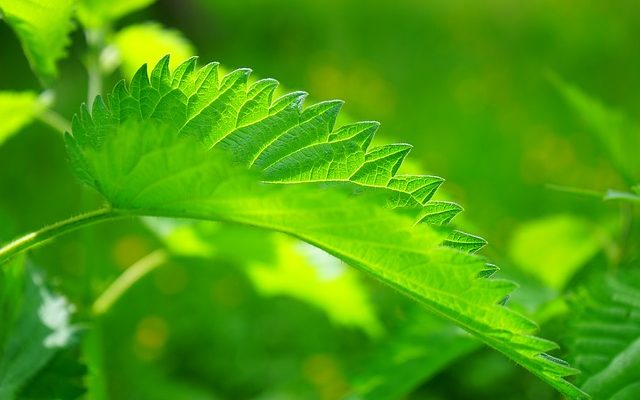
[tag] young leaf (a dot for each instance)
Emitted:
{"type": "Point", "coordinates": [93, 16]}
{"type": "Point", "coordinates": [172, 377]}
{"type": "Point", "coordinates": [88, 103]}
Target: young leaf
{"type": "Point", "coordinates": [148, 43]}
{"type": "Point", "coordinates": [43, 27]}
{"type": "Point", "coordinates": [606, 337]}
{"type": "Point", "coordinates": [17, 109]}
{"type": "Point", "coordinates": [188, 144]}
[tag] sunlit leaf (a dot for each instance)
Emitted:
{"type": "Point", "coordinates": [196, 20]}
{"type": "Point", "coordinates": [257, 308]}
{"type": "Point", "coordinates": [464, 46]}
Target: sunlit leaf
{"type": "Point", "coordinates": [277, 265]}
{"type": "Point", "coordinates": [188, 144]}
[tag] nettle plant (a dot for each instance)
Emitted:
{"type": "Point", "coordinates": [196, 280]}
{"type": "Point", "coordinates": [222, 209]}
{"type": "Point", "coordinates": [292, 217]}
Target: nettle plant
{"type": "Point", "coordinates": [184, 141]}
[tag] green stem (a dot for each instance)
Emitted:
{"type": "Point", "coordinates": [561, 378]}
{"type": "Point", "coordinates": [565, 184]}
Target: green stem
{"type": "Point", "coordinates": [33, 239]}
{"type": "Point", "coordinates": [55, 120]}
{"type": "Point", "coordinates": [576, 191]}
{"type": "Point", "coordinates": [95, 41]}
{"type": "Point", "coordinates": [128, 278]}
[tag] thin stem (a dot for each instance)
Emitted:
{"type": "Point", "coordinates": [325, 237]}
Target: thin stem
{"type": "Point", "coordinates": [576, 191]}
{"type": "Point", "coordinates": [33, 239]}
{"type": "Point", "coordinates": [95, 82]}
{"type": "Point", "coordinates": [95, 41]}
{"type": "Point", "coordinates": [55, 120]}
{"type": "Point", "coordinates": [128, 278]}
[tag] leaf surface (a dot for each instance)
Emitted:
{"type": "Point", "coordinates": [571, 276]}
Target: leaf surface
{"type": "Point", "coordinates": [189, 143]}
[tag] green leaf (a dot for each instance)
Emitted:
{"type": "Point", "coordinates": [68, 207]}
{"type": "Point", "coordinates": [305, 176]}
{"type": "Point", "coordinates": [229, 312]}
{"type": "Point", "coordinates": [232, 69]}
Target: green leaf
{"type": "Point", "coordinates": [147, 43]}
{"type": "Point", "coordinates": [17, 109]}
{"type": "Point", "coordinates": [439, 212]}
{"type": "Point", "coordinates": [101, 13]}
{"type": "Point", "coordinates": [35, 326]}
{"type": "Point", "coordinates": [554, 248]}
{"type": "Point", "coordinates": [62, 378]}
{"type": "Point", "coordinates": [277, 265]}
{"type": "Point", "coordinates": [619, 135]}
{"type": "Point", "coordinates": [43, 27]}
{"type": "Point", "coordinates": [464, 241]}
{"type": "Point", "coordinates": [606, 337]}
{"type": "Point", "coordinates": [188, 144]}
{"type": "Point", "coordinates": [422, 348]}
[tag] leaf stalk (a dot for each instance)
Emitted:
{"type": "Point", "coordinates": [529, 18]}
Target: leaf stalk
{"type": "Point", "coordinates": [36, 238]}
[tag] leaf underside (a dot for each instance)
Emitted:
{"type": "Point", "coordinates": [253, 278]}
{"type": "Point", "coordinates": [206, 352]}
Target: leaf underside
{"type": "Point", "coordinates": [190, 144]}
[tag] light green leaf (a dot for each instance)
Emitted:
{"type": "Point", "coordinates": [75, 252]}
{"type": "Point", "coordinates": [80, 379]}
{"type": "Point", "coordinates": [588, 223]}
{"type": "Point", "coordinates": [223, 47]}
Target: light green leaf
{"type": "Point", "coordinates": [35, 326]}
{"type": "Point", "coordinates": [147, 44]}
{"type": "Point", "coordinates": [464, 241]}
{"type": "Point", "coordinates": [188, 144]}
{"type": "Point", "coordinates": [439, 212]}
{"type": "Point", "coordinates": [277, 265]}
{"type": "Point", "coordinates": [554, 248]}
{"type": "Point", "coordinates": [605, 342]}
{"type": "Point", "coordinates": [17, 109]}
{"type": "Point", "coordinates": [101, 13]}
{"type": "Point", "coordinates": [618, 134]}
{"type": "Point", "coordinates": [43, 27]}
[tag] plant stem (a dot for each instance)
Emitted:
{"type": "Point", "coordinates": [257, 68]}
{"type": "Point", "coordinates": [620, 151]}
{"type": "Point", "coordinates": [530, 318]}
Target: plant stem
{"type": "Point", "coordinates": [128, 278]}
{"type": "Point", "coordinates": [55, 120]}
{"type": "Point", "coordinates": [95, 41]}
{"type": "Point", "coordinates": [33, 239]}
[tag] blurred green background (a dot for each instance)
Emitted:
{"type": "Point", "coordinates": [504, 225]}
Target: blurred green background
{"type": "Point", "coordinates": [467, 83]}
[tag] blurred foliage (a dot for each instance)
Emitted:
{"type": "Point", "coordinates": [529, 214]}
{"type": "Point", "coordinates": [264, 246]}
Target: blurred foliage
{"type": "Point", "coordinates": [16, 110]}
{"type": "Point", "coordinates": [146, 44]}
{"type": "Point", "coordinates": [467, 83]}
{"type": "Point", "coordinates": [43, 28]}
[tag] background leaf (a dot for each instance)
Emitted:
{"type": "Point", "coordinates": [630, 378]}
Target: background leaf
{"type": "Point", "coordinates": [36, 325]}
{"type": "Point", "coordinates": [43, 28]}
{"type": "Point", "coordinates": [17, 109]}
{"type": "Point", "coordinates": [606, 330]}
{"type": "Point", "coordinates": [101, 13]}
{"type": "Point", "coordinates": [618, 134]}
{"type": "Point", "coordinates": [147, 44]}
{"type": "Point", "coordinates": [554, 248]}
